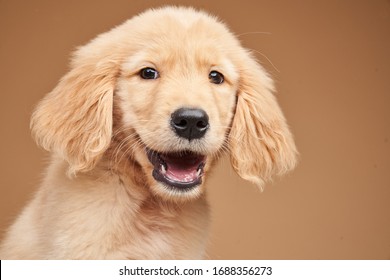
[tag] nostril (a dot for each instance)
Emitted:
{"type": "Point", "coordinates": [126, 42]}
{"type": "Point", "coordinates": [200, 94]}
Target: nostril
{"type": "Point", "coordinates": [180, 123]}
{"type": "Point", "coordinates": [202, 124]}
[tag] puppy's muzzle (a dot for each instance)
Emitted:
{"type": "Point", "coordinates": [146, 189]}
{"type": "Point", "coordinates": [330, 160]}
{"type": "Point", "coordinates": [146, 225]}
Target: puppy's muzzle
{"type": "Point", "coordinates": [190, 123]}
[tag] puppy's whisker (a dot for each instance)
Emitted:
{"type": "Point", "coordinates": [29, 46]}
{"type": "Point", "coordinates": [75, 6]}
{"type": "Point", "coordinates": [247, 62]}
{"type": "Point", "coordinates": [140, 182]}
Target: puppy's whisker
{"type": "Point", "coordinates": [119, 148]}
{"type": "Point", "coordinates": [129, 146]}
{"type": "Point", "coordinates": [268, 59]}
{"type": "Point", "coordinates": [254, 33]}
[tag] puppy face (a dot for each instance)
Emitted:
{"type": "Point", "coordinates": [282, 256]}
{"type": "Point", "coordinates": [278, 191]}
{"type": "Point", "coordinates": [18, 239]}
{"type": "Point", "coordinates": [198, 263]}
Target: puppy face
{"type": "Point", "coordinates": [178, 93]}
{"type": "Point", "coordinates": [168, 91]}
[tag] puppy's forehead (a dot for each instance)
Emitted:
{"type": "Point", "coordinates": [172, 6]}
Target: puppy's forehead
{"type": "Point", "coordinates": [173, 48]}
{"type": "Point", "coordinates": [188, 51]}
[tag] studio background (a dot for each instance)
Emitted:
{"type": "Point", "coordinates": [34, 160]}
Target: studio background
{"type": "Point", "coordinates": [331, 64]}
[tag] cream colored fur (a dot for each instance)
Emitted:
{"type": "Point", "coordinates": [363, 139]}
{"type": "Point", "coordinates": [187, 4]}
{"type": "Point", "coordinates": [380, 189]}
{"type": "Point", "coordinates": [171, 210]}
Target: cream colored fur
{"type": "Point", "coordinates": [98, 199]}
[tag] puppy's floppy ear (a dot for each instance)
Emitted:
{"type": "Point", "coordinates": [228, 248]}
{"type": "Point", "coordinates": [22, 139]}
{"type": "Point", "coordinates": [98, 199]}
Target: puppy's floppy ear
{"type": "Point", "coordinates": [75, 119]}
{"type": "Point", "coordinates": [260, 142]}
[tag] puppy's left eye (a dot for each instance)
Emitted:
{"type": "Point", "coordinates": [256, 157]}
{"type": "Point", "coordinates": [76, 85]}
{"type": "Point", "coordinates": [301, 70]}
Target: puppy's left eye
{"type": "Point", "coordinates": [216, 77]}
{"type": "Point", "coordinates": [149, 73]}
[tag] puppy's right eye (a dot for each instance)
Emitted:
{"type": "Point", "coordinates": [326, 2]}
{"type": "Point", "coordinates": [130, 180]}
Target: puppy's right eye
{"type": "Point", "coordinates": [216, 78]}
{"type": "Point", "coordinates": [149, 73]}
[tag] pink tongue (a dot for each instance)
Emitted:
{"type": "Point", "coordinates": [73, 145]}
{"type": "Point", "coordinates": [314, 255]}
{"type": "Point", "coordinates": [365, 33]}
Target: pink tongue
{"type": "Point", "coordinates": [180, 174]}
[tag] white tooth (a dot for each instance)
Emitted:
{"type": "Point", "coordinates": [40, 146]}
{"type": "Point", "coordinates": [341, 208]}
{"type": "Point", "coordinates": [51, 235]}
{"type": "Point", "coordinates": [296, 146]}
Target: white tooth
{"type": "Point", "coordinates": [163, 170]}
{"type": "Point", "coordinates": [198, 172]}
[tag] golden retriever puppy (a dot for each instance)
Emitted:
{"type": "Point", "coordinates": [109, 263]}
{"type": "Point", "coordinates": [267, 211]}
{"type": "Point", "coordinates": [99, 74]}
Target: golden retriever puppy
{"type": "Point", "coordinates": [134, 129]}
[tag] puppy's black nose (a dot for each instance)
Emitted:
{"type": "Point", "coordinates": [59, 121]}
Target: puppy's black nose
{"type": "Point", "coordinates": [190, 123]}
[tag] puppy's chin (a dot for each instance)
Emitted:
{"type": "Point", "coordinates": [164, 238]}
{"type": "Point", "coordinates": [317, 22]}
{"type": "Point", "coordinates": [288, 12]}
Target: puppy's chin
{"type": "Point", "coordinates": [176, 195]}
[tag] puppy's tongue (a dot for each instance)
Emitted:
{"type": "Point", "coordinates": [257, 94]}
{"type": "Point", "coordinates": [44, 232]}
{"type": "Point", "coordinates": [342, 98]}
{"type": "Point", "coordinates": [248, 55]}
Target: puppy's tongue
{"type": "Point", "coordinates": [184, 168]}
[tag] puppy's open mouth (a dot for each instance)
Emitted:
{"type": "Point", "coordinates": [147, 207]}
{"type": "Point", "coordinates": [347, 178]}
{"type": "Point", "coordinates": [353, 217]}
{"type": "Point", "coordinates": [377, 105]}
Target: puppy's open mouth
{"type": "Point", "coordinates": [180, 170]}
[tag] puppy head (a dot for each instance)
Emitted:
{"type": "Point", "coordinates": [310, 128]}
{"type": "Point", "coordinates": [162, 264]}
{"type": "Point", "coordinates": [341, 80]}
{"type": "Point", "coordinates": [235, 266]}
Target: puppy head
{"type": "Point", "coordinates": [186, 91]}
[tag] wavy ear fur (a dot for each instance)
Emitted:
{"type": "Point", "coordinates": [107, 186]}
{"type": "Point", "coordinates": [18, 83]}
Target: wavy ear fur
{"type": "Point", "coordinates": [261, 144]}
{"type": "Point", "coordinates": [75, 120]}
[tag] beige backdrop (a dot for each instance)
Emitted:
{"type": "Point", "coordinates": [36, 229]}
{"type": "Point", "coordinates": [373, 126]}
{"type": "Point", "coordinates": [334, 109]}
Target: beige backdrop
{"type": "Point", "coordinates": [331, 61]}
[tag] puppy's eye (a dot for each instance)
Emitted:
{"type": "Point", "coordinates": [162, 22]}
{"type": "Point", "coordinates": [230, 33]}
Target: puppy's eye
{"type": "Point", "coordinates": [149, 73]}
{"type": "Point", "coordinates": [216, 77]}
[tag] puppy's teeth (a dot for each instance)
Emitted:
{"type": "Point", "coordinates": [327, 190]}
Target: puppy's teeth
{"type": "Point", "coordinates": [199, 171]}
{"type": "Point", "coordinates": [163, 169]}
